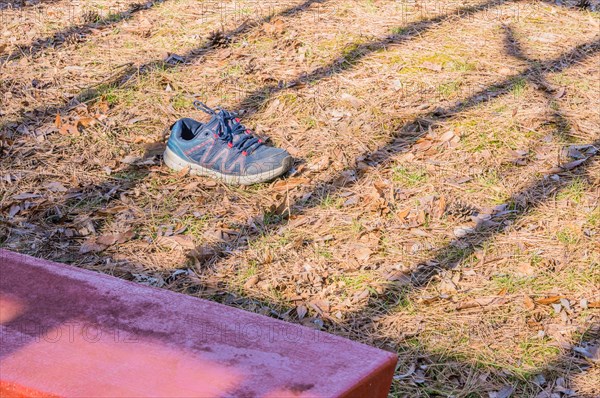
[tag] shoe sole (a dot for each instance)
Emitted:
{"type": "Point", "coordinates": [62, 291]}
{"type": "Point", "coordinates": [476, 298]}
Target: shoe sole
{"type": "Point", "coordinates": [176, 163]}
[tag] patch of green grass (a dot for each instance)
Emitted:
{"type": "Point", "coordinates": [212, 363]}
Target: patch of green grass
{"type": "Point", "coordinates": [511, 283]}
{"type": "Point", "coordinates": [233, 70]}
{"type": "Point", "coordinates": [323, 251]}
{"type": "Point", "coordinates": [534, 352]}
{"type": "Point", "coordinates": [309, 122]}
{"type": "Point", "coordinates": [181, 102]}
{"type": "Point", "coordinates": [356, 227]}
{"type": "Point", "coordinates": [352, 52]}
{"type": "Point", "coordinates": [398, 30]}
{"type": "Point", "coordinates": [447, 90]}
{"type": "Point", "coordinates": [249, 270]}
{"type": "Point", "coordinates": [355, 281]}
{"type": "Point", "coordinates": [410, 176]}
{"type": "Point", "coordinates": [288, 98]}
{"type": "Point", "coordinates": [459, 65]}
{"type": "Point", "coordinates": [480, 134]}
{"type": "Point", "coordinates": [455, 254]}
{"type": "Point", "coordinates": [593, 219]}
{"type": "Point", "coordinates": [518, 87]}
{"type": "Point", "coordinates": [568, 236]}
{"type": "Point", "coordinates": [436, 58]}
{"type": "Point", "coordinates": [330, 202]}
{"type": "Point", "coordinates": [575, 191]}
{"type": "Point", "coordinates": [195, 226]}
{"type": "Point", "coordinates": [405, 305]}
{"type": "Point", "coordinates": [270, 218]}
{"type": "Point", "coordinates": [489, 179]}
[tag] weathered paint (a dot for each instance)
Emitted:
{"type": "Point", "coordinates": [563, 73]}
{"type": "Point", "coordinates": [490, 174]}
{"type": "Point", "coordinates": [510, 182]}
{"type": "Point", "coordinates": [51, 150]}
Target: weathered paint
{"type": "Point", "coordinates": [70, 332]}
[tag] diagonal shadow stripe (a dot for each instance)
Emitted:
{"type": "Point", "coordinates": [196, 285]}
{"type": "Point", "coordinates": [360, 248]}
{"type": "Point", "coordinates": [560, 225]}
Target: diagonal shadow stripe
{"type": "Point", "coordinates": [80, 32]}
{"type": "Point", "coordinates": [413, 129]}
{"type": "Point", "coordinates": [122, 77]}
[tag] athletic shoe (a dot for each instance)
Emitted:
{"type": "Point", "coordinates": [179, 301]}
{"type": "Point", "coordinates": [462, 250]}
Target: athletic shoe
{"type": "Point", "coordinates": [223, 148]}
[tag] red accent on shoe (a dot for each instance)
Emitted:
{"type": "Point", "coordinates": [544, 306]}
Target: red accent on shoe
{"type": "Point", "coordinates": [244, 153]}
{"type": "Point", "coordinates": [237, 119]}
{"type": "Point", "coordinates": [248, 131]}
{"type": "Point", "coordinates": [216, 135]}
{"type": "Point", "coordinates": [260, 141]}
{"type": "Point", "coordinates": [230, 144]}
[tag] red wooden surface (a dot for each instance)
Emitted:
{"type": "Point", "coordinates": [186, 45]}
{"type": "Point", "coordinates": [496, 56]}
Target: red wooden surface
{"type": "Point", "coordinates": [70, 332]}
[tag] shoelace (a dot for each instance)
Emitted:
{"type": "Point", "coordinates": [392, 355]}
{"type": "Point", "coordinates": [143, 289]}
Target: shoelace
{"type": "Point", "coordinates": [246, 142]}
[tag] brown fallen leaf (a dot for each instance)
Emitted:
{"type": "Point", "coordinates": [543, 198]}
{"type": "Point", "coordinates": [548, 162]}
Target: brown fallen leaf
{"type": "Point", "coordinates": [180, 242]}
{"type": "Point", "coordinates": [355, 102]}
{"type": "Point", "coordinates": [86, 121]}
{"type": "Point", "coordinates": [58, 121]}
{"type": "Point", "coordinates": [528, 303]}
{"type": "Point", "coordinates": [290, 183]}
{"type": "Point", "coordinates": [403, 214]}
{"type": "Point", "coordinates": [68, 129]}
{"type": "Point", "coordinates": [549, 300]}
{"type": "Point", "coordinates": [362, 253]}
{"type": "Point", "coordinates": [276, 27]}
{"type": "Point", "coordinates": [55, 186]}
{"type": "Point", "coordinates": [447, 136]}
{"type": "Point", "coordinates": [422, 145]}
{"type": "Point", "coordinates": [478, 302]}
{"type": "Point", "coordinates": [91, 246]}
{"type": "Point", "coordinates": [107, 240]}
{"type": "Point", "coordinates": [111, 239]}
{"type": "Point", "coordinates": [182, 173]}
{"type": "Point", "coordinates": [594, 304]}
{"type": "Point", "coordinates": [253, 280]}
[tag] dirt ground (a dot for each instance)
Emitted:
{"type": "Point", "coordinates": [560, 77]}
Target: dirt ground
{"type": "Point", "coordinates": [445, 199]}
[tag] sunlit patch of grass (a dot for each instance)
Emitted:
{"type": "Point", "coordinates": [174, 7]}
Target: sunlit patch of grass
{"type": "Point", "coordinates": [593, 219]}
{"type": "Point", "coordinates": [511, 283]}
{"type": "Point", "coordinates": [356, 281]}
{"type": "Point", "coordinates": [233, 71]}
{"type": "Point", "coordinates": [356, 226]}
{"type": "Point", "coordinates": [410, 176]}
{"type": "Point", "coordinates": [309, 122]}
{"type": "Point", "coordinates": [447, 90]}
{"type": "Point", "coordinates": [536, 351]}
{"type": "Point", "coordinates": [568, 236]}
{"type": "Point", "coordinates": [489, 179]}
{"type": "Point", "coordinates": [330, 202]}
{"type": "Point", "coordinates": [480, 134]}
{"type": "Point", "coordinates": [195, 226]}
{"type": "Point", "coordinates": [288, 98]}
{"type": "Point", "coordinates": [181, 102]}
{"type": "Point", "coordinates": [323, 251]}
{"type": "Point", "coordinates": [459, 65]}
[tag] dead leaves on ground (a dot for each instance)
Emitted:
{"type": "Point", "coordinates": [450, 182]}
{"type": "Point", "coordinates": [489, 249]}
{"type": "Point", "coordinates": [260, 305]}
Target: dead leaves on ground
{"type": "Point", "coordinates": [101, 243]}
{"type": "Point", "coordinates": [82, 118]}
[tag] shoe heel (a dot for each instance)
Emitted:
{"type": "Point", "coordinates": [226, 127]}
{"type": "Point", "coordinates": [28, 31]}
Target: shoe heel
{"type": "Point", "coordinates": [173, 161]}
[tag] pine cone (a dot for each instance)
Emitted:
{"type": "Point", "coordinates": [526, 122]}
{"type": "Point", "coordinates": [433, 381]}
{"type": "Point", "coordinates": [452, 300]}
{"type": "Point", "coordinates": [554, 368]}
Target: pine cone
{"type": "Point", "coordinates": [460, 211]}
{"type": "Point", "coordinates": [218, 39]}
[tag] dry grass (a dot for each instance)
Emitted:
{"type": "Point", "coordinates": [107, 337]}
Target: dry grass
{"type": "Point", "coordinates": [425, 214]}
